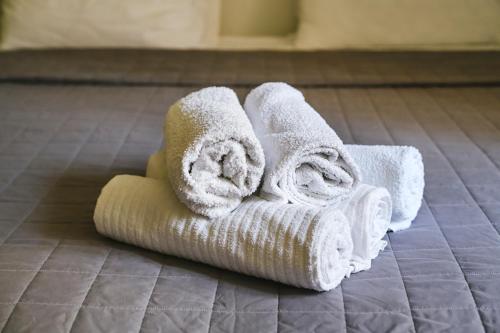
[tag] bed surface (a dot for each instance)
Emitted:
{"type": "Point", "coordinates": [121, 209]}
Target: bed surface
{"type": "Point", "coordinates": [70, 120]}
{"type": "Point", "coordinates": [199, 68]}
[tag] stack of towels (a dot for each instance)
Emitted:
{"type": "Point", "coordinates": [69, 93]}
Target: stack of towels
{"type": "Point", "coordinates": [267, 189]}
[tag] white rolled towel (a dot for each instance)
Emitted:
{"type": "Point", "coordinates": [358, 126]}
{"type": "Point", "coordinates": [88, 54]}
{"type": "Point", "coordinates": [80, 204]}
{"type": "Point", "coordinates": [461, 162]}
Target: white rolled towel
{"type": "Point", "coordinates": [368, 210]}
{"type": "Point", "coordinates": [302, 246]}
{"type": "Point", "coordinates": [214, 159]}
{"type": "Point", "coordinates": [399, 169]}
{"type": "Point", "coordinates": [306, 162]}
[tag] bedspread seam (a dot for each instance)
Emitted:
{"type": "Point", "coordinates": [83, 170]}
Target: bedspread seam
{"type": "Point", "coordinates": [186, 309]}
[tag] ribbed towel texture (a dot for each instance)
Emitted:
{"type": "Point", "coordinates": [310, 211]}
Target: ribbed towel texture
{"type": "Point", "coordinates": [367, 208]}
{"type": "Point", "coordinates": [297, 245]}
{"type": "Point", "coordinates": [213, 157]}
{"type": "Point", "coordinates": [401, 171]}
{"type": "Point", "coordinates": [306, 162]}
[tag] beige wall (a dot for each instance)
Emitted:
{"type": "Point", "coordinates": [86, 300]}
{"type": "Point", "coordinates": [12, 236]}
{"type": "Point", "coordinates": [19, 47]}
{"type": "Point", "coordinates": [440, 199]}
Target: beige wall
{"type": "Point", "coordinates": [258, 17]}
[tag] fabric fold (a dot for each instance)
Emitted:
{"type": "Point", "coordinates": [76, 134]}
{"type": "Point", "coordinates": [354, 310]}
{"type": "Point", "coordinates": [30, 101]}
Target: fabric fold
{"type": "Point", "coordinates": [303, 246]}
{"type": "Point", "coordinates": [368, 210]}
{"type": "Point", "coordinates": [306, 162]}
{"type": "Point", "coordinates": [401, 171]}
{"type": "Point", "coordinates": [213, 157]}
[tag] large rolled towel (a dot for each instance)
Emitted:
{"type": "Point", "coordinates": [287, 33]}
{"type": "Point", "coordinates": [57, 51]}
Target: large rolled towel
{"type": "Point", "coordinates": [306, 162]}
{"type": "Point", "coordinates": [213, 158]}
{"type": "Point", "coordinates": [399, 169]}
{"type": "Point", "coordinates": [367, 208]}
{"type": "Point", "coordinates": [302, 246]}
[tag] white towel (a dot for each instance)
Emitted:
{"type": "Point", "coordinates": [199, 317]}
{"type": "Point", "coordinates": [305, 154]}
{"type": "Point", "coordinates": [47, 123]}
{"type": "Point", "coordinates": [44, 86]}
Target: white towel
{"type": "Point", "coordinates": [294, 244]}
{"type": "Point", "coordinates": [399, 169]}
{"type": "Point", "coordinates": [213, 157]}
{"type": "Point", "coordinates": [306, 162]}
{"type": "Point", "coordinates": [368, 210]}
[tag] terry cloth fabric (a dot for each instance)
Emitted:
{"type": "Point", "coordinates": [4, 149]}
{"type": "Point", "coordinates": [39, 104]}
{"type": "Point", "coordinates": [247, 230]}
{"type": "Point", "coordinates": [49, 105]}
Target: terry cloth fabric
{"type": "Point", "coordinates": [213, 157]}
{"type": "Point", "coordinates": [306, 162]}
{"type": "Point", "coordinates": [399, 169]}
{"type": "Point", "coordinates": [302, 246]}
{"type": "Point", "coordinates": [368, 210]}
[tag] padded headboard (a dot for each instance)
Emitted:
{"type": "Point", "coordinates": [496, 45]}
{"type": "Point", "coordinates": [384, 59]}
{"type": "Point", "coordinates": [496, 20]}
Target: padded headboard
{"type": "Point", "coordinates": [258, 17]}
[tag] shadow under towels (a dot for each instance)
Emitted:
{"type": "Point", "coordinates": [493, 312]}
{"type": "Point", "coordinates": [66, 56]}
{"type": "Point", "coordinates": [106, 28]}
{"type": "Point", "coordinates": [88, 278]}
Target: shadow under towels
{"type": "Point", "coordinates": [306, 162]}
{"type": "Point", "coordinates": [213, 158]}
{"type": "Point", "coordinates": [293, 244]}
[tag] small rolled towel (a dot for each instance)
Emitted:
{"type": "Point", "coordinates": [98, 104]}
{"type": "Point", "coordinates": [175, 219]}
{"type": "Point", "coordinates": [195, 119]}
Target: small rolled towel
{"type": "Point", "coordinates": [368, 210]}
{"type": "Point", "coordinates": [213, 158]}
{"type": "Point", "coordinates": [306, 162]}
{"type": "Point", "coordinates": [401, 171]}
{"type": "Point", "coordinates": [302, 246]}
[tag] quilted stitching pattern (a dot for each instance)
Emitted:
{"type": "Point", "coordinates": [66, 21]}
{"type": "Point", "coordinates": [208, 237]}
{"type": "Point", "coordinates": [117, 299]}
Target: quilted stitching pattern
{"type": "Point", "coordinates": [60, 144]}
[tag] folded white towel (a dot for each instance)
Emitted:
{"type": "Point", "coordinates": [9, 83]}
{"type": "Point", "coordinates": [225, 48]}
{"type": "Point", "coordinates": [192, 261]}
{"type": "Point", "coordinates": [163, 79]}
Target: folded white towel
{"type": "Point", "coordinates": [303, 246]}
{"type": "Point", "coordinates": [213, 157]}
{"type": "Point", "coordinates": [368, 210]}
{"type": "Point", "coordinates": [399, 169]}
{"type": "Point", "coordinates": [306, 161]}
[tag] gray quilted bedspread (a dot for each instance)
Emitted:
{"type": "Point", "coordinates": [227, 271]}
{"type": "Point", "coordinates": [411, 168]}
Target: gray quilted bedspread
{"type": "Point", "coordinates": [67, 125]}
